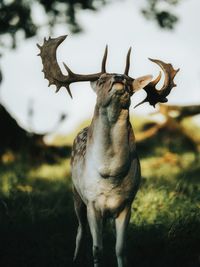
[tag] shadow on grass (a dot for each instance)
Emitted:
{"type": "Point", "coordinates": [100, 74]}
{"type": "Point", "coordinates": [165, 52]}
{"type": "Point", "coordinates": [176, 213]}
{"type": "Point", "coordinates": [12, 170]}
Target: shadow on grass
{"type": "Point", "coordinates": [38, 228]}
{"type": "Point", "coordinates": [156, 245]}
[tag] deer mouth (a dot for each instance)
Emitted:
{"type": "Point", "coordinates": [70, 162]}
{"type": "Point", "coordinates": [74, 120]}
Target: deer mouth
{"type": "Point", "coordinates": [121, 89]}
{"type": "Point", "coordinates": [118, 86]}
{"type": "Point", "coordinates": [121, 92]}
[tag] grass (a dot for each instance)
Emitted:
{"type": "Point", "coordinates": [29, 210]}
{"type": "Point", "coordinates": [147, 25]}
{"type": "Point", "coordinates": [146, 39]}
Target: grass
{"type": "Point", "coordinates": [38, 224]}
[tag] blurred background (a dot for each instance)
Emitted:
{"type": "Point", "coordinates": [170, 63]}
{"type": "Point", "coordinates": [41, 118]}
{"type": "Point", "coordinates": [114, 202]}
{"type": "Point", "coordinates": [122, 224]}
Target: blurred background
{"type": "Point", "coordinates": [37, 128]}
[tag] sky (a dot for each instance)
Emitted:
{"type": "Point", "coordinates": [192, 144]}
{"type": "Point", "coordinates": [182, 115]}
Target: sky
{"type": "Point", "coordinates": [120, 25]}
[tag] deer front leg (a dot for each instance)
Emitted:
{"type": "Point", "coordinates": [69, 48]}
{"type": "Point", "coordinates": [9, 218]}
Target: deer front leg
{"type": "Point", "coordinates": [121, 223]}
{"type": "Point", "coordinates": [95, 224]}
{"type": "Point", "coordinates": [80, 210]}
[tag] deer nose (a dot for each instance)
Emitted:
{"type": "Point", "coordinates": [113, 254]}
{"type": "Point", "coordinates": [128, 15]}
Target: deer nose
{"type": "Point", "coordinates": [118, 78]}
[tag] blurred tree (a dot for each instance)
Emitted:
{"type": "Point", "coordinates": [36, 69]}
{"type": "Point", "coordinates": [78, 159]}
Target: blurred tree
{"type": "Point", "coordinates": [18, 16]}
{"type": "Point", "coordinates": [161, 12]}
{"type": "Point", "coordinates": [18, 19]}
{"type": "Point", "coordinates": [173, 125]}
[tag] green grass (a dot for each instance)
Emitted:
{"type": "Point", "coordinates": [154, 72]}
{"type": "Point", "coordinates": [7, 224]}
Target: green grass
{"type": "Point", "coordinates": [38, 224]}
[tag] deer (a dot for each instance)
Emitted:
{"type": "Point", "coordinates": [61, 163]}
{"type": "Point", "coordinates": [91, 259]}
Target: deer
{"type": "Point", "coordinates": [105, 166]}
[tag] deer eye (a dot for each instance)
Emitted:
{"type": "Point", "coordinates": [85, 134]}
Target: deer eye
{"type": "Point", "coordinates": [101, 80]}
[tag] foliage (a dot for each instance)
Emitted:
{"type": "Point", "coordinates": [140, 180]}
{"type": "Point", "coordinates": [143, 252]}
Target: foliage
{"type": "Point", "coordinates": [19, 16]}
{"type": "Point", "coordinates": [160, 11]}
{"type": "Point", "coordinates": [38, 224]}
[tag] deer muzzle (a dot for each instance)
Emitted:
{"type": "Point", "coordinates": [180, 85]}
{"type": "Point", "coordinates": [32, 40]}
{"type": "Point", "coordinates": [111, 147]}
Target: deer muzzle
{"type": "Point", "coordinates": [118, 83]}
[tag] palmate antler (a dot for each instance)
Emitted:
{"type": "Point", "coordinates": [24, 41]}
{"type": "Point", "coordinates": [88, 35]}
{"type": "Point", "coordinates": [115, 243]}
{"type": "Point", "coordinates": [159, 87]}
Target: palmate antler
{"type": "Point", "coordinates": [52, 70]}
{"type": "Point", "coordinates": [55, 77]}
{"type": "Point", "coordinates": [155, 96]}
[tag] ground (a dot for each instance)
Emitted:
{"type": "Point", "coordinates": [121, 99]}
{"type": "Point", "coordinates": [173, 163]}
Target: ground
{"type": "Point", "coordinates": [38, 223]}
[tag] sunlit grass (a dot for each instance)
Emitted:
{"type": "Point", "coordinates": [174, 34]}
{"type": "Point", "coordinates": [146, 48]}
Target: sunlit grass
{"type": "Point", "coordinates": [53, 172]}
{"type": "Point", "coordinates": [192, 128]}
{"type": "Point", "coordinates": [152, 206]}
{"type": "Point", "coordinates": [166, 167]}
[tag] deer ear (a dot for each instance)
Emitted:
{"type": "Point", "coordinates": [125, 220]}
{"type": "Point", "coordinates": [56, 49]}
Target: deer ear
{"type": "Point", "coordinates": [94, 86]}
{"type": "Point", "coordinates": [141, 82]}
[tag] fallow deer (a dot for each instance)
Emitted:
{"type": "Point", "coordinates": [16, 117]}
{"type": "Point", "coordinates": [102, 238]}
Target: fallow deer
{"type": "Point", "coordinates": [104, 163]}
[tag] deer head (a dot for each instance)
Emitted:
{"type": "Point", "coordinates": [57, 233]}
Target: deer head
{"type": "Point", "coordinates": [107, 85]}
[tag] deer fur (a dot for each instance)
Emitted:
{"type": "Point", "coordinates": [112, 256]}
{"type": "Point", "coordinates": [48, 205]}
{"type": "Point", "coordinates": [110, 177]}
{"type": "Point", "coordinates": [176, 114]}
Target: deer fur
{"type": "Point", "coordinates": [104, 163]}
{"type": "Point", "coordinates": [105, 166]}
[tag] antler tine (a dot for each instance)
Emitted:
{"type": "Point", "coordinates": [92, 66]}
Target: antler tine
{"type": "Point", "coordinates": [103, 64]}
{"type": "Point", "coordinates": [52, 71]}
{"type": "Point", "coordinates": [155, 96]}
{"type": "Point", "coordinates": [156, 81]}
{"type": "Point", "coordinates": [127, 62]}
{"type": "Point", "coordinates": [169, 73]}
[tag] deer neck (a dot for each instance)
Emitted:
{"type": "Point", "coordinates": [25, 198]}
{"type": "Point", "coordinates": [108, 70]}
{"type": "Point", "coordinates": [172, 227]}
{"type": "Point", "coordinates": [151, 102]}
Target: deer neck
{"type": "Point", "coordinates": [109, 140]}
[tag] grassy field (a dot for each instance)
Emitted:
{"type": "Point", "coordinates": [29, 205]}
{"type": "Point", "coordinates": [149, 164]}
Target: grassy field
{"type": "Point", "coordinates": [38, 224]}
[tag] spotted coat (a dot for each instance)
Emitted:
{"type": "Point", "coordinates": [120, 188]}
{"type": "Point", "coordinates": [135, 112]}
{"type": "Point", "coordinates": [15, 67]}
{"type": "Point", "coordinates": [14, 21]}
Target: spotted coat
{"type": "Point", "coordinates": [79, 145]}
